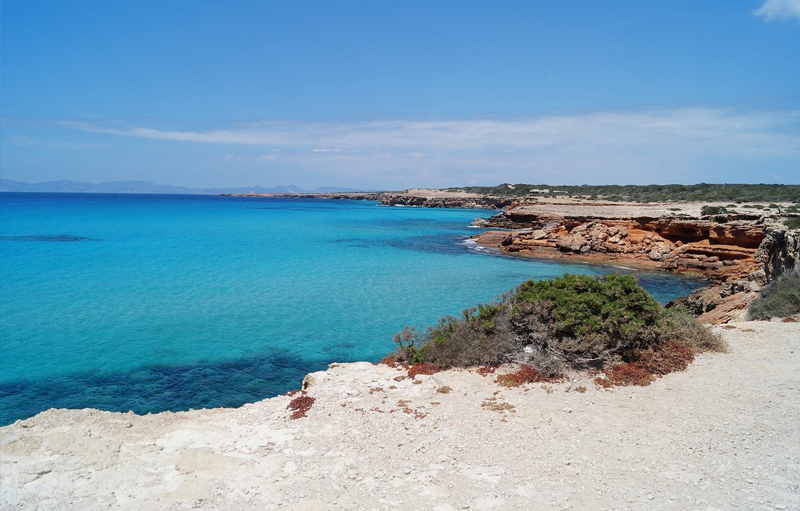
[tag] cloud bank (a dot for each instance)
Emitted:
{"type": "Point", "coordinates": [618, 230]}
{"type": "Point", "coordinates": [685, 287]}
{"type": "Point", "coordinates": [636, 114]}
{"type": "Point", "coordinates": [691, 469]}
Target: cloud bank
{"type": "Point", "coordinates": [610, 146]}
{"type": "Point", "coordinates": [779, 9]}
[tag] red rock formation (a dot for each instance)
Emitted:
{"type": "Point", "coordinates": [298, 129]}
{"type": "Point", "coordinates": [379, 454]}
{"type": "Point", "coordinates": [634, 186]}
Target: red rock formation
{"type": "Point", "coordinates": [721, 252]}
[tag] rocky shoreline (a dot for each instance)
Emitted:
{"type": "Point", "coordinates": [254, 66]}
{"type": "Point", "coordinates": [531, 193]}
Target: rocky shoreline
{"type": "Point", "coordinates": [367, 436]}
{"type": "Point", "coordinates": [408, 198]}
{"type": "Point", "coordinates": [739, 254]}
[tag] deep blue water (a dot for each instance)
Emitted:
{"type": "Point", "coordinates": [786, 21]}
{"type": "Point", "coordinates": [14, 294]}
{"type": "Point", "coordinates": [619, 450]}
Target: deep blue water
{"type": "Point", "coordinates": [156, 302]}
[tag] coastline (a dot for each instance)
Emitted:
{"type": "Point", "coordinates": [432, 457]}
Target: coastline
{"type": "Point", "coordinates": [739, 253]}
{"type": "Point", "coordinates": [375, 439]}
{"type": "Point", "coordinates": [373, 436]}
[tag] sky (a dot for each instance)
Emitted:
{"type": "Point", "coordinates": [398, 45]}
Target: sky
{"type": "Point", "coordinates": [391, 95]}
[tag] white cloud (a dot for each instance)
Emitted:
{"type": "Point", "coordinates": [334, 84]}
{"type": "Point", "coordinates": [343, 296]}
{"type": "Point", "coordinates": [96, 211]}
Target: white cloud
{"type": "Point", "coordinates": [779, 9]}
{"type": "Point", "coordinates": [258, 157]}
{"type": "Point", "coordinates": [689, 125]}
{"type": "Point", "coordinates": [655, 145]}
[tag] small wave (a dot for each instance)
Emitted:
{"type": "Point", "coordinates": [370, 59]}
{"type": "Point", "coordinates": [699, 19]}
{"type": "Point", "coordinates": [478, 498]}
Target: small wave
{"type": "Point", "coordinates": [473, 245]}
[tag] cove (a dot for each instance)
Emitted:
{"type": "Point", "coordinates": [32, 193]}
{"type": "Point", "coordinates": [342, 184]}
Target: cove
{"type": "Point", "coordinates": [169, 302]}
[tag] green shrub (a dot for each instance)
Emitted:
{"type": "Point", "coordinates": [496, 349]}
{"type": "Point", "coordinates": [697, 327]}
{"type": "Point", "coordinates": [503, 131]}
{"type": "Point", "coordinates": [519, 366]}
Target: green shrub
{"type": "Point", "coordinates": [588, 316]}
{"type": "Point", "coordinates": [679, 326]}
{"type": "Point", "coordinates": [713, 210]}
{"type": "Point", "coordinates": [793, 223]}
{"type": "Point", "coordinates": [573, 321]}
{"type": "Point", "coordinates": [780, 299]}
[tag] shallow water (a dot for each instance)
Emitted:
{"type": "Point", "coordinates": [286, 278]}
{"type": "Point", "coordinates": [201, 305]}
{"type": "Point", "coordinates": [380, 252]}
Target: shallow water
{"type": "Point", "coordinates": [157, 302]}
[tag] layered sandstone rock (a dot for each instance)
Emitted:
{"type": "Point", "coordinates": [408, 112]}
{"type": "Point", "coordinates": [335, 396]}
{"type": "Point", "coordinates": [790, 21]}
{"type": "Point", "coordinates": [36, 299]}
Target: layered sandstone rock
{"type": "Point", "coordinates": [722, 252]}
{"type": "Point", "coordinates": [779, 253]}
{"type": "Point", "coordinates": [739, 254]}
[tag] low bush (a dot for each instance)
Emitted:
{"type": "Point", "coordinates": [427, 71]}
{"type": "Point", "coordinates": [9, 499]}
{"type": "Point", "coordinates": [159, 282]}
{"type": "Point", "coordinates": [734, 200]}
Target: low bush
{"type": "Point", "coordinates": [571, 322]}
{"type": "Point", "coordinates": [793, 223]}
{"type": "Point", "coordinates": [713, 210]}
{"type": "Point", "coordinates": [780, 299]}
{"type": "Point", "coordinates": [679, 326]}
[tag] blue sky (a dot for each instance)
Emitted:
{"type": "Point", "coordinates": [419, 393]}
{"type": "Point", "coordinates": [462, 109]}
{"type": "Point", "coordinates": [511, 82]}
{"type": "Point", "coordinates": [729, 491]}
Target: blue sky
{"type": "Point", "coordinates": [383, 94]}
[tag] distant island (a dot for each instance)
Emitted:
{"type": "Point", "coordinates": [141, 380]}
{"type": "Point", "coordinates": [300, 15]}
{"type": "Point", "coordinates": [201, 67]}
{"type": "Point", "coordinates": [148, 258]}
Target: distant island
{"type": "Point", "coordinates": [8, 185]}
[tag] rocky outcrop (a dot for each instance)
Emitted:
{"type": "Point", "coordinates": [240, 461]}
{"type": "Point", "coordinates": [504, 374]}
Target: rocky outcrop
{"type": "Point", "coordinates": [720, 303]}
{"type": "Point", "coordinates": [739, 255]}
{"type": "Point", "coordinates": [445, 202]}
{"type": "Point", "coordinates": [395, 199]}
{"type": "Point", "coordinates": [721, 252]}
{"type": "Point", "coordinates": [372, 196]}
{"type": "Point", "coordinates": [778, 253]}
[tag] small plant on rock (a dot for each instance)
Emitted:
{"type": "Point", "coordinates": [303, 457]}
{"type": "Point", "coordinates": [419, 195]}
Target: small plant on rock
{"type": "Point", "coordinates": [300, 405]}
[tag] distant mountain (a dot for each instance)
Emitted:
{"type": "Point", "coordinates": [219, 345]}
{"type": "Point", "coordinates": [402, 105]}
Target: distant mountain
{"type": "Point", "coordinates": [8, 185]}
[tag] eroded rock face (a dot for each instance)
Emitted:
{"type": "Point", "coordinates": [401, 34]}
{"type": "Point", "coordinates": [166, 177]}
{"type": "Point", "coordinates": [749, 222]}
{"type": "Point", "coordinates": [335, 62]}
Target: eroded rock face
{"type": "Point", "coordinates": [699, 247]}
{"type": "Point", "coordinates": [778, 253]}
{"type": "Point", "coordinates": [720, 303]}
{"type": "Point", "coordinates": [739, 255]}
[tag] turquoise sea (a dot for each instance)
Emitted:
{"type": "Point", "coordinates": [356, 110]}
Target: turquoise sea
{"type": "Point", "coordinates": [158, 302]}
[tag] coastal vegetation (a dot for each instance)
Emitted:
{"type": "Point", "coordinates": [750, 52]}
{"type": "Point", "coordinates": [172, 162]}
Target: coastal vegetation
{"type": "Point", "coordinates": [793, 223]}
{"type": "Point", "coordinates": [568, 323]}
{"type": "Point", "coordinates": [713, 210]}
{"type": "Point", "coordinates": [702, 192]}
{"type": "Point", "coordinates": [780, 299]}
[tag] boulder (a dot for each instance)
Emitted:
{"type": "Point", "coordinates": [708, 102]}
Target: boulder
{"type": "Point", "coordinates": [571, 242]}
{"type": "Point", "coordinates": [778, 253]}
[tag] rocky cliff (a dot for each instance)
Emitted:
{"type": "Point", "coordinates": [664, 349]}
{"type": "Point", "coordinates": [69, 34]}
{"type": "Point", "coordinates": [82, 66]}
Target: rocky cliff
{"type": "Point", "coordinates": [778, 253]}
{"type": "Point", "coordinates": [722, 252]}
{"type": "Point", "coordinates": [738, 253]}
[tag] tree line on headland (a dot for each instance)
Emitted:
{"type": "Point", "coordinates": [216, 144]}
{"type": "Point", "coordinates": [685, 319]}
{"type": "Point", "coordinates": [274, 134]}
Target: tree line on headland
{"type": "Point", "coordinates": [649, 193]}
